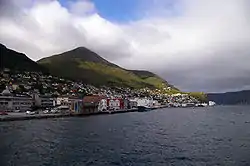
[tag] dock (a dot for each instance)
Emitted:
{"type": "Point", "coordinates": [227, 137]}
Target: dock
{"type": "Point", "coordinates": [24, 116]}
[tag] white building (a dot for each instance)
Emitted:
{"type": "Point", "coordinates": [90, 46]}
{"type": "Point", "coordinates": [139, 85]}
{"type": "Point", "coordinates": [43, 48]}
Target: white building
{"type": "Point", "coordinates": [114, 104]}
{"type": "Point", "coordinates": [144, 102]}
{"type": "Point", "coordinates": [62, 101]}
{"type": "Point", "coordinates": [8, 102]}
{"type": "Point", "coordinates": [102, 106]}
{"type": "Point", "coordinates": [156, 103]}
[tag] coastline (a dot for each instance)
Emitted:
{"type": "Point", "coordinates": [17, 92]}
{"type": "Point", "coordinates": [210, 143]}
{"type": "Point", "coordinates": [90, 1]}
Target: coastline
{"type": "Point", "coordinates": [24, 116]}
{"type": "Point", "coordinates": [21, 117]}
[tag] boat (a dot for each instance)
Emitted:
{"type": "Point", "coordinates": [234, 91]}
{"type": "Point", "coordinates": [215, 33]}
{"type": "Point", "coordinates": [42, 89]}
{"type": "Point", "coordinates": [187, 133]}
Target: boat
{"type": "Point", "coordinates": [199, 105]}
{"type": "Point", "coordinates": [143, 109]}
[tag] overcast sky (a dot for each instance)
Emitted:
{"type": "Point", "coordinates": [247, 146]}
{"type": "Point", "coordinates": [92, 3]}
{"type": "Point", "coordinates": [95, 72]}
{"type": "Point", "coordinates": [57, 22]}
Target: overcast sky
{"type": "Point", "coordinates": [197, 45]}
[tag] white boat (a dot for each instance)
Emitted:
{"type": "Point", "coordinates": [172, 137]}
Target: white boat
{"type": "Point", "coordinates": [30, 112]}
{"type": "Point", "coordinates": [46, 111]}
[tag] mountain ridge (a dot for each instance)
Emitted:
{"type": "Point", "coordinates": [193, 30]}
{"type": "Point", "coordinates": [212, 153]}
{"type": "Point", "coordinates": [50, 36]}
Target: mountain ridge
{"type": "Point", "coordinates": [17, 61]}
{"type": "Point", "coordinates": [231, 98]}
{"type": "Point", "coordinates": [84, 64]}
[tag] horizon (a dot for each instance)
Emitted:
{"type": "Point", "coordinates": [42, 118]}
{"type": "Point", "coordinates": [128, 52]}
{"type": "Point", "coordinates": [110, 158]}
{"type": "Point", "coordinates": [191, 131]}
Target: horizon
{"type": "Point", "coordinates": [196, 46]}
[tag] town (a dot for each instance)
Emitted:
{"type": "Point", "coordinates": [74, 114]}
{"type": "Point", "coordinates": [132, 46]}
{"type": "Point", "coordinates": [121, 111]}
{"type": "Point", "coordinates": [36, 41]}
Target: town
{"type": "Point", "coordinates": [35, 92]}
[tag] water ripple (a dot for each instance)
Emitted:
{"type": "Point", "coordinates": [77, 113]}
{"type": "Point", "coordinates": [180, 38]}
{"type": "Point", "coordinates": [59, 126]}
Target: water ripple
{"type": "Point", "coordinates": [216, 136]}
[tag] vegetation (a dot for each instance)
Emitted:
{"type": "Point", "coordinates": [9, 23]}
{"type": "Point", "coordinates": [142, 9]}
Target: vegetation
{"type": "Point", "coordinates": [202, 97]}
{"type": "Point", "coordinates": [85, 65]}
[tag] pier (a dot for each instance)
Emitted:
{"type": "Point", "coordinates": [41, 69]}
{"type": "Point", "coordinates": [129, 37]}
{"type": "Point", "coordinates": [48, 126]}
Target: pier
{"type": "Point", "coordinates": [24, 116]}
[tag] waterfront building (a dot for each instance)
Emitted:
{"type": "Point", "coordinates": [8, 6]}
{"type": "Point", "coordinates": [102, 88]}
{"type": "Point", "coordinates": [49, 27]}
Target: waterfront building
{"type": "Point", "coordinates": [10, 102]}
{"type": "Point", "coordinates": [92, 103]}
{"type": "Point", "coordinates": [76, 105]}
{"type": "Point", "coordinates": [103, 105]}
{"type": "Point", "coordinates": [126, 104]}
{"type": "Point", "coordinates": [132, 104]}
{"type": "Point", "coordinates": [61, 100]}
{"type": "Point", "coordinates": [115, 104]}
{"type": "Point", "coordinates": [156, 103]}
{"type": "Point", "coordinates": [44, 101]}
{"type": "Point", "coordinates": [144, 102]}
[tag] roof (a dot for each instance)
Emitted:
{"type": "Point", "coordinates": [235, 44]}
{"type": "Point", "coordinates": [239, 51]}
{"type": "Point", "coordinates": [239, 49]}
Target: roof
{"type": "Point", "coordinates": [94, 99]}
{"type": "Point", "coordinates": [6, 92]}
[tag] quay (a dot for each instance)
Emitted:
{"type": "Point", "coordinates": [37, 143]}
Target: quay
{"type": "Point", "coordinates": [24, 116]}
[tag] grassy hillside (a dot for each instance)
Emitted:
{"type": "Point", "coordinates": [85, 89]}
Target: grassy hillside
{"type": "Point", "coordinates": [199, 95]}
{"type": "Point", "coordinates": [153, 79]}
{"type": "Point", "coordinates": [83, 64]}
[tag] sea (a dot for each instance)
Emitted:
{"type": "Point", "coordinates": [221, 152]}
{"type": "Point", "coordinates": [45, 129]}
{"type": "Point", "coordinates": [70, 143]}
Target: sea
{"type": "Point", "coordinates": [207, 136]}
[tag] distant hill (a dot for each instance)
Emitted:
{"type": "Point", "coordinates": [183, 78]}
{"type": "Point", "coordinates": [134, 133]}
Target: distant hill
{"type": "Point", "coordinates": [231, 98]}
{"type": "Point", "coordinates": [85, 65]}
{"type": "Point", "coordinates": [17, 61]}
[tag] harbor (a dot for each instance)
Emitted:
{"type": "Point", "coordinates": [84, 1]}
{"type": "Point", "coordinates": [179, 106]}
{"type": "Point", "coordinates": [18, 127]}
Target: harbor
{"type": "Point", "coordinates": [24, 116]}
{"type": "Point", "coordinates": [20, 116]}
{"type": "Point", "coordinates": [57, 98]}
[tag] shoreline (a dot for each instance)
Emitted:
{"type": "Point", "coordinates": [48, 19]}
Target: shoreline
{"type": "Point", "coordinates": [23, 116]}
{"type": "Point", "coordinates": [7, 118]}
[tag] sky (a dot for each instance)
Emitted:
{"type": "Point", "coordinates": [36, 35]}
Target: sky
{"type": "Point", "coordinates": [195, 45]}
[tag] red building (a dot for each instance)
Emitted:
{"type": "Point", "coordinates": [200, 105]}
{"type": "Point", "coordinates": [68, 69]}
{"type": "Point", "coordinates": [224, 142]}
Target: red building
{"type": "Point", "coordinates": [91, 103]}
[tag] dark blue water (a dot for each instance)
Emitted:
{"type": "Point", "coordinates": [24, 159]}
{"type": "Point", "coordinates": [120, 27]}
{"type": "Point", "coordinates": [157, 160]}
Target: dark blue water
{"type": "Point", "coordinates": [200, 136]}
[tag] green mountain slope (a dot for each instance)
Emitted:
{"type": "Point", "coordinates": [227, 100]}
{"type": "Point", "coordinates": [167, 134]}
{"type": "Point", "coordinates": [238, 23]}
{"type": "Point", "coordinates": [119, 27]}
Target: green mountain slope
{"type": "Point", "coordinates": [83, 64]}
{"type": "Point", "coordinates": [17, 61]}
{"type": "Point", "coordinates": [152, 79]}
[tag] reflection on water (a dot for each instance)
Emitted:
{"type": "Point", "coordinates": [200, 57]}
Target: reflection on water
{"type": "Point", "coordinates": [200, 136]}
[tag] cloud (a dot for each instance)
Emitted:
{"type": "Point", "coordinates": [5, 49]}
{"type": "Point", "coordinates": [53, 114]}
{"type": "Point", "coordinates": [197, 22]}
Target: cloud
{"type": "Point", "coordinates": [81, 7]}
{"type": "Point", "coordinates": [195, 45]}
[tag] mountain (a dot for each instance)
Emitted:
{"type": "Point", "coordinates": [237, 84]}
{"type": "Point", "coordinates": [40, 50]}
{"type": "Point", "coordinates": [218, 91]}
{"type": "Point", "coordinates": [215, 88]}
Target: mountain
{"type": "Point", "coordinates": [230, 98]}
{"type": "Point", "coordinates": [87, 66]}
{"type": "Point", "coordinates": [17, 61]}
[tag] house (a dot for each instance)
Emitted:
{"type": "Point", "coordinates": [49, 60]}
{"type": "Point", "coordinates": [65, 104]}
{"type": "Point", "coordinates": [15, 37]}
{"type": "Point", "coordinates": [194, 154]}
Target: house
{"type": "Point", "coordinates": [115, 104]}
{"type": "Point", "coordinates": [132, 104]}
{"type": "Point", "coordinates": [76, 105]}
{"type": "Point", "coordinates": [126, 104]}
{"type": "Point", "coordinates": [92, 104]}
{"type": "Point", "coordinates": [156, 103]}
{"type": "Point", "coordinates": [103, 105]}
{"type": "Point", "coordinates": [144, 102]}
{"type": "Point", "coordinates": [12, 103]}
{"type": "Point", "coordinates": [44, 101]}
{"type": "Point", "coordinates": [62, 101]}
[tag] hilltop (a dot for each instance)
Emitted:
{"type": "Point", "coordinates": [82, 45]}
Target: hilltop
{"type": "Point", "coordinates": [85, 65]}
{"type": "Point", "coordinates": [17, 61]}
